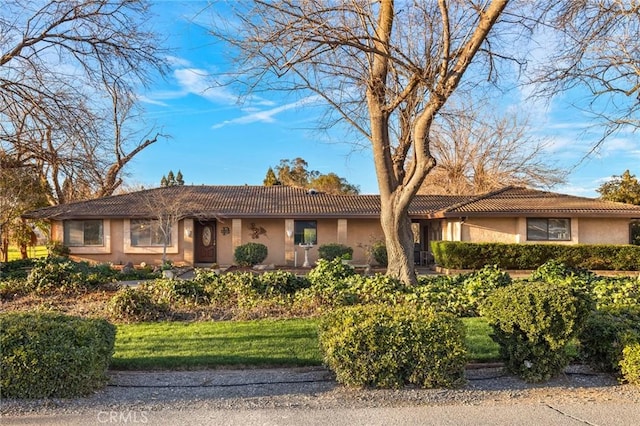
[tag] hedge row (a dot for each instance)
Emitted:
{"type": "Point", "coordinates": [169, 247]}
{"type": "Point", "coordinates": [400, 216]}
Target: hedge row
{"type": "Point", "coordinates": [52, 355]}
{"type": "Point", "coordinates": [463, 255]}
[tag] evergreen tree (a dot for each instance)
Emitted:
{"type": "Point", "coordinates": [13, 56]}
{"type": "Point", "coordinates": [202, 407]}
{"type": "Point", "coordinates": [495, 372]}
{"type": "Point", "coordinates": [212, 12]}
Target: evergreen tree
{"type": "Point", "coordinates": [623, 189]}
{"type": "Point", "coordinates": [172, 180]}
{"type": "Point", "coordinates": [270, 179]}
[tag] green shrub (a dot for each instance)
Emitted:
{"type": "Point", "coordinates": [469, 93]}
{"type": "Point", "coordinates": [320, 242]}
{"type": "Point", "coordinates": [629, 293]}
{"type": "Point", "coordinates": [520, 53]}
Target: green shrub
{"type": "Point", "coordinates": [58, 249]}
{"type": "Point", "coordinates": [379, 253]}
{"type": "Point", "coordinates": [51, 355]}
{"type": "Point", "coordinates": [464, 255]}
{"type": "Point", "coordinates": [18, 268]}
{"type": "Point", "coordinates": [444, 293]}
{"type": "Point", "coordinates": [282, 282]}
{"type": "Point", "coordinates": [132, 305]}
{"type": "Point", "coordinates": [616, 292]}
{"type": "Point", "coordinates": [56, 274]}
{"type": "Point", "coordinates": [11, 287]}
{"type": "Point", "coordinates": [329, 271]}
{"type": "Point", "coordinates": [630, 363]}
{"type": "Point", "coordinates": [383, 346]}
{"type": "Point", "coordinates": [460, 294]}
{"type": "Point", "coordinates": [167, 292]}
{"type": "Point", "coordinates": [605, 334]}
{"type": "Point", "coordinates": [334, 250]}
{"type": "Point", "coordinates": [250, 254]}
{"type": "Point", "coordinates": [480, 284]}
{"type": "Point", "coordinates": [533, 322]}
{"type": "Point", "coordinates": [376, 289]}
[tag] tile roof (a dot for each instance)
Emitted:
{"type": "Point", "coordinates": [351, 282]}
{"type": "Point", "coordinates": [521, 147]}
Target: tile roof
{"type": "Point", "coordinates": [283, 201]}
{"type": "Point", "coordinates": [514, 201]}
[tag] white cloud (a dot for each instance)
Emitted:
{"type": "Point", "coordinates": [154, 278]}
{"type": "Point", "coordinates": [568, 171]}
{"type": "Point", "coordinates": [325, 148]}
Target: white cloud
{"type": "Point", "coordinates": [180, 62]}
{"type": "Point", "coordinates": [266, 116]}
{"type": "Point", "coordinates": [147, 100]}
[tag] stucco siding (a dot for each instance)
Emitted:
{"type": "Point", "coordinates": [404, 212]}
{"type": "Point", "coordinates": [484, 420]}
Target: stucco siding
{"type": "Point", "coordinates": [490, 230]}
{"type": "Point", "coordinates": [603, 231]}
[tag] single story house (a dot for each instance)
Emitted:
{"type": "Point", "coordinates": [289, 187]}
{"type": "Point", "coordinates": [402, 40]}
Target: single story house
{"type": "Point", "coordinates": [207, 223]}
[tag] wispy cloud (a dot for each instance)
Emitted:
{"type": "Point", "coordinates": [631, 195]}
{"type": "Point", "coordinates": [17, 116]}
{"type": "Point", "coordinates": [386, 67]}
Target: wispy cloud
{"type": "Point", "coordinates": [268, 115]}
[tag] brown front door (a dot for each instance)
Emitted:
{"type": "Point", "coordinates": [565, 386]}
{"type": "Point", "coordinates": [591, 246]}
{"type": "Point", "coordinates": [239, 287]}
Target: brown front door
{"type": "Point", "coordinates": [205, 242]}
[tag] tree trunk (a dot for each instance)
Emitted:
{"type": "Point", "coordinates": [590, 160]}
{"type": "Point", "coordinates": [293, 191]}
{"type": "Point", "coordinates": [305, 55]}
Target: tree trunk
{"type": "Point", "coordinates": [396, 225]}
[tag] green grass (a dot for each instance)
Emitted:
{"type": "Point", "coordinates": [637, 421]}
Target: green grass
{"type": "Point", "coordinates": [479, 345]}
{"type": "Point", "coordinates": [171, 345]}
{"type": "Point", "coordinates": [33, 252]}
{"type": "Point", "coordinates": [262, 343]}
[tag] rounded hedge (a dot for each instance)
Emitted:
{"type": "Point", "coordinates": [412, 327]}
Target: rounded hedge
{"type": "Point", "coordinates": [333, 251]}
{"type": "Point", "coordinates": [53, 355]}
{"type": "Point", "coordinates": [533, 322]}
{"type": "Point", "coordinates": [250, 254]}
{"type": "Point", "coordinates": [390, 346]}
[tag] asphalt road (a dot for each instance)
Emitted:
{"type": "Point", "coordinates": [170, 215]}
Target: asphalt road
{"type": "Point", "coordinates": [310, 396]}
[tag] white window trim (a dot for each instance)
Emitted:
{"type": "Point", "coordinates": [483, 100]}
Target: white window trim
{"type": "Point", "coordinates": [106, 242]}
{"type": "Point", "coordinates": [129, 248]}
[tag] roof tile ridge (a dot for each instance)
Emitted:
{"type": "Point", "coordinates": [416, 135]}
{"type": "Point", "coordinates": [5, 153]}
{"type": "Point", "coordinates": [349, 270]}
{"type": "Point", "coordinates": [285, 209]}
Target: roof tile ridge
{"type": "Point", "coordinates": [476, 198]}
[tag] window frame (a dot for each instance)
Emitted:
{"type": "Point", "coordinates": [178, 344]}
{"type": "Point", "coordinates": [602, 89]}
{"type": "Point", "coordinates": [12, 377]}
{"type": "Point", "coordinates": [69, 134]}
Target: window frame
{"type": "Point", "coordinates": [547, 233]}
{"type": "Point", "coordinates": [67, 236]}
{"type": "Point", "coordinates": [153, 230]}
{"type": "Point", "coordinates": [299, 227]}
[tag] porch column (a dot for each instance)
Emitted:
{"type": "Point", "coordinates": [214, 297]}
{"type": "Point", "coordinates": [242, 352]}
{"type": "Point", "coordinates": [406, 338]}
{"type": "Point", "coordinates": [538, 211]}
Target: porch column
{"type": "Point", "coordinates": [236, 234]}
{"type": "Point", "coordinates": [289, 246]}
{"type": "Point", "coordinates": [187, 245]}
{"type": "Point", "coordinates": [342, 232]}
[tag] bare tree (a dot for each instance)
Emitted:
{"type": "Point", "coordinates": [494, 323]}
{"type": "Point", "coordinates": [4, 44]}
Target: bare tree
{"type": "Point", "coordinates": [166, 206]}
{"type": "Point", "coordinates": [386, 69]}
{"type": "Point", "coordinates": [597, 50]}
{"type": "Point", "coordinates": [62, 64]}
{"type": "Point", "coordinates": [477, 152]}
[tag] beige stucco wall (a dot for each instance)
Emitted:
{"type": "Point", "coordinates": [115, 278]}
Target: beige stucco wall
{"type": "Point", "coordinates": [281, 250]}
{"type": "Point", "coordinates": [514, 230]}
{"type": "Point", "coordinates": [603, 231]}
{"type": "Point", "coordinates": [490, 230]}
{"type": "Point", "coordinates": [355, 233]}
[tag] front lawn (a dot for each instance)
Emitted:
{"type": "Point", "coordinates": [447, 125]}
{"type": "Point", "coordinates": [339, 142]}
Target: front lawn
{"type": "Point", "coordinates": [262, 343]}
{"type": "Point", "coordinates": [33, 252]}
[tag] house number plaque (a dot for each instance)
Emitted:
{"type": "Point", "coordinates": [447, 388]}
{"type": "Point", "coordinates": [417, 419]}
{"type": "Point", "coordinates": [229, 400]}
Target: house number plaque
{"type": "Point", "coordinates": [206, 236]}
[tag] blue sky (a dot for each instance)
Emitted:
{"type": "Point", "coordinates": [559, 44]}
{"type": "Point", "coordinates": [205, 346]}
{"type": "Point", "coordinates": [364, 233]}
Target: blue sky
{"type": "Point", "coordinates": [217, 139]}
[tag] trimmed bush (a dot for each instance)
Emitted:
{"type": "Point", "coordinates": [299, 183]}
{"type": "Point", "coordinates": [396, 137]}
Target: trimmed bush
{"type": "Point", "coordinates": [388, 347]}
{"type": "Point", "coordinates": [463, 255]}
{"type": "Point", "coordinates": [630, 363]}
{"type": "Point", "coordinates": [250, 254]}
{"type": "Point", "coordinates": [52, 355]}
{"type": "Point", "coordinates": [605, 334]}
{"type": "Point", "coordinates": [334, 250]}
{"type": "Point", "coordinates": [132, 305]}
{"type": "Point", "coordinates": [533, 322]}
{"type": "Point", "coordinates": [379, 253]}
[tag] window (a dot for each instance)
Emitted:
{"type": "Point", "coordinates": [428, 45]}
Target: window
{"type": "Point", "coordinates": [634, 232]}
{"type": "Point", "coordinates": [548, 229]}
{"type": "Point", "coordinates": [305, 232]}
{"type": "Point", "coordinates": [78, 233]}
{"type": "Point", "coordinates": [146, 232]}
